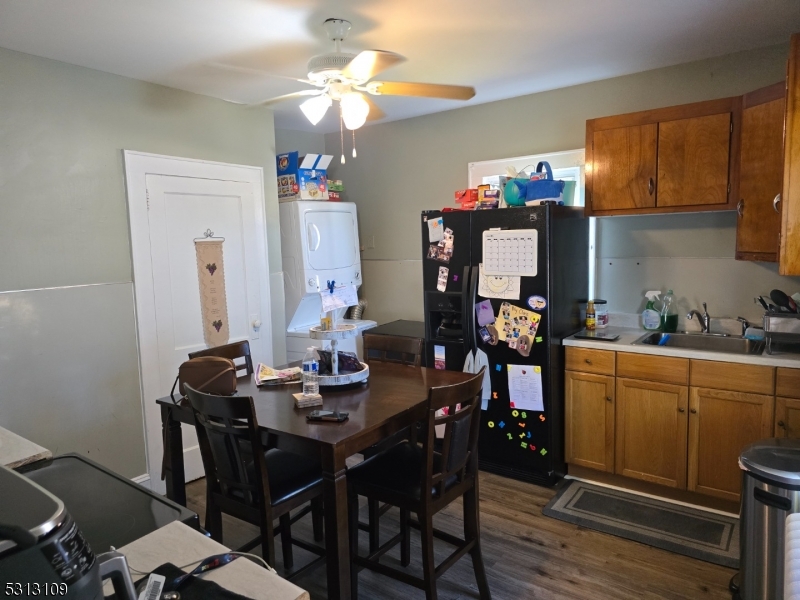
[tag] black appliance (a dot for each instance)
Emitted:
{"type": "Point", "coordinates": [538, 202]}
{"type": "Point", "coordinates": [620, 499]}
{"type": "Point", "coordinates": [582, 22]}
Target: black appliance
{"type": "Point", "coordinates": [561, 280]}
{"type": "Point", "coordinates": [109, 509]}
{"type": "Point", "coordinates": [43, 551]}
{"type": "Point", "coordinates": [402, 328]}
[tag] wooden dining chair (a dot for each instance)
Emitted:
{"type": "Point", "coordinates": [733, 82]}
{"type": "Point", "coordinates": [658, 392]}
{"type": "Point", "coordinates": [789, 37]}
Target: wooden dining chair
{"type": "Point", "coordinates": [392, 348]}
{"type": "Point", "coordinates": [234, 351]}
{"type": "Point", "coordinates": [251, 484]}
{"type": "Point", "coordinates": [416, 478]}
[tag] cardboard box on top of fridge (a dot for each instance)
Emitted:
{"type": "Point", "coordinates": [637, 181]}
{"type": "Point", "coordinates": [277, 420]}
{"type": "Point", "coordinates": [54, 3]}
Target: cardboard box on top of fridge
{"type": "Point", "coordinates": [465, 196]}
{"type": "Point", "coordinates": [335, 185]}
{"type": "Point", "coordinates": [302, 179]}
{"type": "Point", "coordinates": [334, 196]}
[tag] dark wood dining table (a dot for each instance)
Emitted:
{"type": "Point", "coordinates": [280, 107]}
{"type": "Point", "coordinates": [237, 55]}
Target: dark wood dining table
{"type": "Point", "coordinates": [392, 399]}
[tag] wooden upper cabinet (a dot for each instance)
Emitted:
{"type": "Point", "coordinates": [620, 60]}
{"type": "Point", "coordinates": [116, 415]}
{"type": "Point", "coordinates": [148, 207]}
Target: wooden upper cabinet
{"type": "Point", "coordinates": [761, 174]}
{"type": "Point", "coordinates": [721, 424]}
{"type": "Point", "coordinates": [693, 161]}
{"type": "Point", "coordinates": [675, 159]}
{"type": "Point", "coordinates": [790, 197]}
{"type": "Point", "coordinates": [624, 168]}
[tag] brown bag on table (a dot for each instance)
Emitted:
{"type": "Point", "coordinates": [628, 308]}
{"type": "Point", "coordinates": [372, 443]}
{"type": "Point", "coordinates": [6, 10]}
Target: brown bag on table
{"type": "Point", "coordinates": [207, 374]}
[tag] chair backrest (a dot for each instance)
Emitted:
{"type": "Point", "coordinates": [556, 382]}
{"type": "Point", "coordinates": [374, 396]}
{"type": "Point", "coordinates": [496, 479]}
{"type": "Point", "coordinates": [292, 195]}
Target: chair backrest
{"type": "Point", "coordinates": [392, 348]}
{"type": "Point", "coordinates": [230, 446]}
{"type": "Point", "coordinates": [234, 351]}
{"type": "Point", "coordinates": [459, 450]}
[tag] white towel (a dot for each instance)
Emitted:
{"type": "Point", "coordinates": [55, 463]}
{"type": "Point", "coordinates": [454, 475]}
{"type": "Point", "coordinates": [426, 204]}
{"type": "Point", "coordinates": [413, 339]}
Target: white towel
{"type": "Point", "coordinates": [473, 364]}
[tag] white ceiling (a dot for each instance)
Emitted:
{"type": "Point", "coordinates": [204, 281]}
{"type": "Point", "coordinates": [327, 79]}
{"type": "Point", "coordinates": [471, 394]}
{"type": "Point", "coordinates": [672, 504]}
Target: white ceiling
{"type": "Point", "coordinates": [503, 48]}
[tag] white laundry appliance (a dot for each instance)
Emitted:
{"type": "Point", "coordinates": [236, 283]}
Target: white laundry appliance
{"type": "Point", "coordinates": [319, 243]}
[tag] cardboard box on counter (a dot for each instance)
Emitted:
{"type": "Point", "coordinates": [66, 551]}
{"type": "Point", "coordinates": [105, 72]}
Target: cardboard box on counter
{"type": "Point", "coordinates": [302, 179]}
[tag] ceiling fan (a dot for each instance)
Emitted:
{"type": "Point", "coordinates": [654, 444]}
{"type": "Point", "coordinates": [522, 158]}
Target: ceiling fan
{"type": "Point", "coordinates": [343, 76]}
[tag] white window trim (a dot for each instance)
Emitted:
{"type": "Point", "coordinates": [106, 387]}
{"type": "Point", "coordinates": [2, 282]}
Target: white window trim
{"type": "Point", "coordinates": [476, 171]}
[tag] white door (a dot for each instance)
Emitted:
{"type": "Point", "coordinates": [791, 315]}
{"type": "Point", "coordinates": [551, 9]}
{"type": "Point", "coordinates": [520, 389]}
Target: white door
{"type": "Point", "coordinates": [179, 210]}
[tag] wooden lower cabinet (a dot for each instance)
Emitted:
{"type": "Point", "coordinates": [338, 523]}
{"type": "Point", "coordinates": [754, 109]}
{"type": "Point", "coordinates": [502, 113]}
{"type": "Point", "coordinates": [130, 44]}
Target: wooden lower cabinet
{"type": "Point", "coordinates": [651, 431]}
{"type": "Point", "coordinates": [721, 424]}
{"type": "Point", "coordinates": [589, 423]}
{"type": "Point", "coordinates": [787, 418]}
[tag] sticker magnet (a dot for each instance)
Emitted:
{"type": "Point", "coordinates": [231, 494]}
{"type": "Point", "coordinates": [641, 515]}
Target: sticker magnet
{"type": "Point", "coordinates": [537, 302]}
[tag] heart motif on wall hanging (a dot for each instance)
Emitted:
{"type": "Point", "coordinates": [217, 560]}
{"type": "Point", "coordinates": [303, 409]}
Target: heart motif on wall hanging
{"type": "Point", "coordinates": [211, 268]}
{"type": "Point", "coordinates": [217, 325]}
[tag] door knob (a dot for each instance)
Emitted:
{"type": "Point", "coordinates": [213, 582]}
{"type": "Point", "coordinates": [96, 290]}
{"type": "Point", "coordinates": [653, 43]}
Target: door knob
{"type": "Point", "coordinates": [608, 398]}
{"type": "Point", "coordinates": [781, 424]}
{"type": "Point", "coordinates": [256, 324]}
{"type": "Point", "coordinates": [651, 186]}
{"type": "Point", "coordinates": [693, 411]}
{"type": "Point", "coordinates": [588, 362]}
{"type": "Point", "coordinates": [775, 203]}
{"type": "Point", "coordinates": [681, 410]}
{"type": "Point", "coordinates": [740, 207]}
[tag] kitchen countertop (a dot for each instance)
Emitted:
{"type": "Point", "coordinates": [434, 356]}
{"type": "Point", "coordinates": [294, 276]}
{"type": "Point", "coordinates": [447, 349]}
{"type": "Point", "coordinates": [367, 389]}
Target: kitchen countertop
{"type": "Point", "coordinates": [16, 451]}
{"type": "Point", "coordinates": [628, 336]}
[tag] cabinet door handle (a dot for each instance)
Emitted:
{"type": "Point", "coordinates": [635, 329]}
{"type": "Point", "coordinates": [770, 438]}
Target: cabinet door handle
{"type": "Point", "coordinates": [609, 398]}
{"type": "Point", "coordinates": [651, 186]}
{"type": "Point", "coordinates": [693, 411]}
{"type": "Point", "coordinates": [781, 424]}
{"type": "Point", "coordinates": [681, 410]}
{"type": "Point", "coordinates": [775, 202]}
{"type": "Point", "coordinates": [588, 362]}
{"type": "Point", "coordinates": [740, 207]}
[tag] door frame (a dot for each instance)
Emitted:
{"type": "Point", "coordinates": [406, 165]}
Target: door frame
{"type": "Point", "coordinates": [138, 165]}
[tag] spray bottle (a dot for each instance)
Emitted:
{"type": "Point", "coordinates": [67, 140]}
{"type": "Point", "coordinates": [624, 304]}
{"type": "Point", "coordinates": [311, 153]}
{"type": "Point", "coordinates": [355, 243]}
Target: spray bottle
{"type": "Point", "coordinates": [651, 318]}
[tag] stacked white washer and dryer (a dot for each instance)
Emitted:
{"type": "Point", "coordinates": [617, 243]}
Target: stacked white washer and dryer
{"type": "Point", "coordinates": [319, 243]}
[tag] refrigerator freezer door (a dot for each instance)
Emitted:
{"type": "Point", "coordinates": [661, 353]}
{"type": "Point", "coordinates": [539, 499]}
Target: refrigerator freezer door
{"type": "Point", "coordinates": [458, 223]}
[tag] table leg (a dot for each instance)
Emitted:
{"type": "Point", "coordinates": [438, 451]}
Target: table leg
{"type": "Point", "coordinates": [337, 544]}
{"type": "Point", "coordinates": [173, 457]}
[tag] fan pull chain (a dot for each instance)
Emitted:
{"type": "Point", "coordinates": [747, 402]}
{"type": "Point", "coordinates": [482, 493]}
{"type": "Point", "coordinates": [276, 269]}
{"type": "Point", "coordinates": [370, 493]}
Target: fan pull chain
{"type": "Point", "coordinates": [341, 130]}
{"type": "Point", "coordinates": [354, 143]}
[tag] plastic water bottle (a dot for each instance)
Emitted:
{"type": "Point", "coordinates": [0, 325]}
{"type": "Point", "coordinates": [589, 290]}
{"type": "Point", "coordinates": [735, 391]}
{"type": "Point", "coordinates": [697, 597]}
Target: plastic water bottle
{"type": "Point", "coordinates": [310, 373]}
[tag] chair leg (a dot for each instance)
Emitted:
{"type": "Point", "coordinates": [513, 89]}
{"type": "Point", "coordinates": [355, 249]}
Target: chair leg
{"type": "Point", "coordinates": [428, 563]}
{"type": "Point", "coordinates": [405, 542]}
{"type": "Point", "coordinates": [213, 520]}
{"type": "Point", "coordinates": [316, 518]}
{"type": "Point", "coordinates": [268, 539]}
{"type": "Point", "coordinates": [472, 531]}
{"type": "Point", "coordinates": [286, 542]}
{"type": "Point", "coordinates": [352, 509]}
{"type": "Point", "coordinates": [374, 508]}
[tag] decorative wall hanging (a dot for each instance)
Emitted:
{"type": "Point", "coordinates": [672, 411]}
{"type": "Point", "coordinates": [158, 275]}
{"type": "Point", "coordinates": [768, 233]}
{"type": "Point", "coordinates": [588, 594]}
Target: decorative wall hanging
{"type": "Point", "coordinates": [213, 301]}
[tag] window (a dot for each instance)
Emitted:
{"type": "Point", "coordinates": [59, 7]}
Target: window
{"type": "Point", "coordinates": [568, 165]}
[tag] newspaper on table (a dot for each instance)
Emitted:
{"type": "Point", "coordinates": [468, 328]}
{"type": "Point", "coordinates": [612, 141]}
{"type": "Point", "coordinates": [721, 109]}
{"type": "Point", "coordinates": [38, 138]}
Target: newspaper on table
{"type": "Point", "coordinates": [265, 375]}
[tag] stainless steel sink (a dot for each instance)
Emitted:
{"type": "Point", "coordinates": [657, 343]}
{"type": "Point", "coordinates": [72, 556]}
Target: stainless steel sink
{"type": "Point", "coordinates": [699, 341]}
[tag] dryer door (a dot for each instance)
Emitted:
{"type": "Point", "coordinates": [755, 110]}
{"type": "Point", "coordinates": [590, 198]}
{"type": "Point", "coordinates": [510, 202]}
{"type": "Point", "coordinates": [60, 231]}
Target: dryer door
{"type": "Point", "coordinates": [331, 239]}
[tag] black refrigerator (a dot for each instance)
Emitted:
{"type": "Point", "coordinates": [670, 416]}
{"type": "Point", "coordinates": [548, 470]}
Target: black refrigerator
{"type": "Point", "coordinates": [520, 322]}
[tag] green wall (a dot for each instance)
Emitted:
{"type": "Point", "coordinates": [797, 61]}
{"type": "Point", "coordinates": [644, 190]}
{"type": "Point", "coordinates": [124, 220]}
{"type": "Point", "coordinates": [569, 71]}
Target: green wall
{"type": "Point", "coordinates": [69, 376]}
{"type": "Point", "coordinates": [406, 166]}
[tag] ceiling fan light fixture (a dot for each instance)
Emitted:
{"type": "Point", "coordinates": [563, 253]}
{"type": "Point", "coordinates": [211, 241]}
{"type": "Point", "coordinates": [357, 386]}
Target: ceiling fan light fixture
{"type": "Point", "coordinates": [315, 108]}
{"type": "Point", "coordinates": [355, 110]}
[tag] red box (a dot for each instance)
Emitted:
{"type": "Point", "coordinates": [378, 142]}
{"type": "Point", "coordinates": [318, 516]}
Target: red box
{"type": "Point", "coordinates": [334, 196]}
{"type": "Point", "coordinates": [470, 195]}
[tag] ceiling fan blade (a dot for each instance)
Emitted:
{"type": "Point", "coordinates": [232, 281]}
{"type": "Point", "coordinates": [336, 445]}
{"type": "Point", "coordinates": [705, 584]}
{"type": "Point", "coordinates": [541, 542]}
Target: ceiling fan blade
{"type": "Point", "coordinates": [251, 71]}
{"type": "Point", "coordinates": [427, 90]}
{"type": "Point", "coordinates": [369, 63]}
{"type": "Point", "coordinates": [375, 112]}
{"type": "Point", "coordinates": [291, 96]}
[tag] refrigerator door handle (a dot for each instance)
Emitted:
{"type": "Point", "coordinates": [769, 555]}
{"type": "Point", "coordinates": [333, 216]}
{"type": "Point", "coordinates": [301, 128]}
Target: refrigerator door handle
{"type": "Point", "coordinates": [466, 326]}
{"type": "Point", "coordinates": [473, 297]}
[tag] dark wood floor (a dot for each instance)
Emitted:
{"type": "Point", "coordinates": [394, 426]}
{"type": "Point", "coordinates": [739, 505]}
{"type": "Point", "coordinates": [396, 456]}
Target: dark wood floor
{"type": "Point", "coordinates": [527, 555]}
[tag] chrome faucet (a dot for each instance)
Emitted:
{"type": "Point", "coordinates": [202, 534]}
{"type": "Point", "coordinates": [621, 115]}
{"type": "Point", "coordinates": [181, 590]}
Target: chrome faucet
{"type": "Point", "coordinates": [745, 324]}
{"type": "Point", "coordinates": [705, 318]}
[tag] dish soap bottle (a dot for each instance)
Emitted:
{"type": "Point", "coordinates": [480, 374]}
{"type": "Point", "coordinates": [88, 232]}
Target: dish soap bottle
{"type": "Point", "coordinates": [669, 316]}
{"type": "Point", "coordinates": [651, 318]}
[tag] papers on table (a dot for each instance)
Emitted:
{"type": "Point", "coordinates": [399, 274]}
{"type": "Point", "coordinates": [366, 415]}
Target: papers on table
{"type": "Point", "coordinates": [265, 375]}
{"type": "Point", "coordinates": [525, 387]}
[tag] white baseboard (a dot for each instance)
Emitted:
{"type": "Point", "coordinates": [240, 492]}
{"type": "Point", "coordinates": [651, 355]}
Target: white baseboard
{"type": "Point", "coordinates": [143, 480]}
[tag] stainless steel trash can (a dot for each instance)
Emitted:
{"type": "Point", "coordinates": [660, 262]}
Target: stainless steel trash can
{"type": "Point", "coordinates": [770, 492]}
